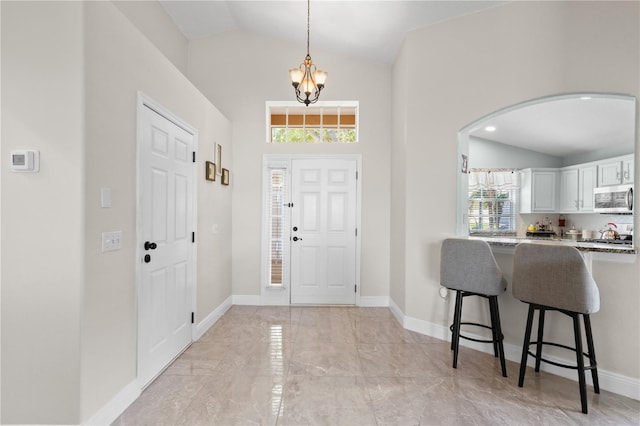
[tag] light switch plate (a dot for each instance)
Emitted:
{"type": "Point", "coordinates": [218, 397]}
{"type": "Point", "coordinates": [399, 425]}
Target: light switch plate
{"type": "Point", "coordinates": [111, 241]}
{"type": "Point", "coordinates": [105, 197]}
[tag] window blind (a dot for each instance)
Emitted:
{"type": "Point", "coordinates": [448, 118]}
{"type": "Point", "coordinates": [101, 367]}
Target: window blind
{"type": "Point", "coordinates": [277, 211]}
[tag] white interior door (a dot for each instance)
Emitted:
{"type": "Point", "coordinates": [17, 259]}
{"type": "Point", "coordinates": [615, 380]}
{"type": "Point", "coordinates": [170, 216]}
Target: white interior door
{"type": "Point", "coordinates": [166, 186]}
{"type": "Point", "coordinates": [323, 231]}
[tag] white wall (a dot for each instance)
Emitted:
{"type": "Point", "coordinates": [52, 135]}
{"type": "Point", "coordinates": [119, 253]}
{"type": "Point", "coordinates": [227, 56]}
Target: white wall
{"type": "Point", "coordinates": [116, 68]}
{"type": "Point", "coordinates": [239, 72]}
{"type": "Point", "coordinates": [472, 66]}
{"type": "Point", "coordinates": [42, 220]}
{"type": "Point", "coordinates": [154, 22]}
{"type": "Point", "coordinates": [71, 73]}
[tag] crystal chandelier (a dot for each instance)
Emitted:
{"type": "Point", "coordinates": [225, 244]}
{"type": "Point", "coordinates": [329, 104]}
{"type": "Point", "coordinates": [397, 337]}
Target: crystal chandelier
{"type": "Point", "coordinates": [307, 81]}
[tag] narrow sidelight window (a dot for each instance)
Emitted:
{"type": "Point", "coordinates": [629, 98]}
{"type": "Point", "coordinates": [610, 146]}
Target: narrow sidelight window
{"type": "Point", "coordinates": [278, 212]}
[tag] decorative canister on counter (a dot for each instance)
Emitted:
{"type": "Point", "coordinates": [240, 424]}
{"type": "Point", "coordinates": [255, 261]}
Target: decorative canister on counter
{"type": "Point", "coordinates": [574, 234]}
{"type": "Point", "coordinates": [561, 221]}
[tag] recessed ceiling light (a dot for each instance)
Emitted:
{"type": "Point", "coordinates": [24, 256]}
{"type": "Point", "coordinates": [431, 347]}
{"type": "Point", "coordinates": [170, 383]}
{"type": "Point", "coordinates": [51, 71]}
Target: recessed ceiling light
{"type": "Point", "coordinates": [585, 98]}
{"type": "Point", "coordinates": [490, 128]}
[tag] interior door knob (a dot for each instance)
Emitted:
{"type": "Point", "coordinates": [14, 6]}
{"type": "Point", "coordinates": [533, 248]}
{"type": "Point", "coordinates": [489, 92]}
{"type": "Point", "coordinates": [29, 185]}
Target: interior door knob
{"type": "Point", "coordinates": [149, 245]}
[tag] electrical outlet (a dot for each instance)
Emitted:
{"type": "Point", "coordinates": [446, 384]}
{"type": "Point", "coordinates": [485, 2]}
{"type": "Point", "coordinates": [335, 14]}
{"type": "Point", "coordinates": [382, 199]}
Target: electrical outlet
{"type": "Point", "coordinates": [111, 241]}
{"type": "Point", "coordinates": [444, 293]}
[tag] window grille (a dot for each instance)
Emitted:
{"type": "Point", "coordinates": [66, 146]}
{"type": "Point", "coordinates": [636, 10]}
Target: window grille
{"type": "Point", "coordinates": [321, 123]}
{"type": "Point", "coordinates": [493, 197]}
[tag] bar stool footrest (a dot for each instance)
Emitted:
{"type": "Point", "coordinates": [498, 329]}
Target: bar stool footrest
{"type": "Point", "coordinates": [592, 366]}
{"type": "Point", "coordinates": [474, 339]}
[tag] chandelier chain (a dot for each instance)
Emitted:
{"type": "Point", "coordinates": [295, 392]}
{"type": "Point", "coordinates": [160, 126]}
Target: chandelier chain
{"type": "Point", "coordinates": [308, 23]}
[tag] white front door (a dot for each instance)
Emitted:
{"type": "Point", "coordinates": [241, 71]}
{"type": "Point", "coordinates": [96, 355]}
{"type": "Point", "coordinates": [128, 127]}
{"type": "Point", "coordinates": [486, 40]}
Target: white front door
{"type": "Point", "coordinates": [166, 185]}
{"type": "Point", "coordinates": [323, 231]}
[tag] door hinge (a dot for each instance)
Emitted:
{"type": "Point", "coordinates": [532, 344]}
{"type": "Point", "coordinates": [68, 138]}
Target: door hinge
{"type": "Point", "coordinates": [193, 317]}
{"type": "Point", "coordinates": [193, 237]}
{"type": "Point", "coordinates": [194, 156]}
{"type": "Point", "coordinates": [356, 175]}
{"type": "Point", "coordinates": [355, 288]}
{"type": "Point", "coordinates": [356, 232]}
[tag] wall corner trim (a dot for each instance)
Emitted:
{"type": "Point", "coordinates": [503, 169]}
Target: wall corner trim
{"type": "Point", "coordinates": [211, 319]}
{"type": "Point", "coordinates": [116, 406]}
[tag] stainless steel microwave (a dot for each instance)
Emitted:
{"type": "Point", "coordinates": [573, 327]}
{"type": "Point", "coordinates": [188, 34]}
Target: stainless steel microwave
{"type": "Point", "coordinates": [613, 199]}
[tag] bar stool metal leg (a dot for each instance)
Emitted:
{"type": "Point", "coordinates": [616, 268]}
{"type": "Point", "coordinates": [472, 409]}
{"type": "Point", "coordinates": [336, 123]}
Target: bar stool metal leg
{"type": "Point", "coordinates": [456, 327]}
{"type": "Point", "coordinates": [580, 361]}
{"type": "Point", "coordinates": [494, 334]}
{"type": "Point", "coordinates": [455, 315]}
{"type": "Point", "coordinates": [497, 333]}
{"type": "Point", "coordinates": [541, 312]}
{"type": "Point", "coordinates": [592, 353]}
{"type": "Point", "coordinates": [525, 347]}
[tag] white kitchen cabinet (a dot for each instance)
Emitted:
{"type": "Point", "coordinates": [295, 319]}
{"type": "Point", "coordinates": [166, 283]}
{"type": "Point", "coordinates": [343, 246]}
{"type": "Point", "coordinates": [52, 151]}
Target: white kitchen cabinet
{"type": "Point", "coordinates": [587, 180]}
{"type": "Point", "coordinates": [569, 190]}
{"type": "Point", "coordinates": [615, 171]}
{"type": "Point", "coordinates": [538, 190]}
{"type": "Point", "coordinates": [576, 188]}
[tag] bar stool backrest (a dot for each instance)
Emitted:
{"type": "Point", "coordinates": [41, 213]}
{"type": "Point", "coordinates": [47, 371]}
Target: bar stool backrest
{"type": "Point", "coordinates": [469, 265]}
{"type": "Point", "coordinates": [554, 276]}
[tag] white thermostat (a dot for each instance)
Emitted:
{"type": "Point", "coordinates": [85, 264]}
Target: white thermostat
{"type": "Point", "coordinates": [25, 160]}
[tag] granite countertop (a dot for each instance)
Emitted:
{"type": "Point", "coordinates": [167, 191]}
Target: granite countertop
{"type": "Point", "coordinates": [582, 246]}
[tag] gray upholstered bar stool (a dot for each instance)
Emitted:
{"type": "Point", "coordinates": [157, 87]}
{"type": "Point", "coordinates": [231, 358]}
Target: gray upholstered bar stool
{"type": "Point", "coordinates": [556, 278]}
{"type": "Point", "coordinates": [469, 268]}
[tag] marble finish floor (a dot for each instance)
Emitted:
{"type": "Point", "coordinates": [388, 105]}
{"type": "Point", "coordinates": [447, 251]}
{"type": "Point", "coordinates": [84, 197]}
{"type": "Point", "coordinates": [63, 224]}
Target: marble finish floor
{"type": "Point", "coordinates": [352, 366]}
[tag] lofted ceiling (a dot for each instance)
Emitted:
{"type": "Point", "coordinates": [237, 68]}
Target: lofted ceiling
{"type": "Point", "coordinates": [373, 30]}
{"type": "Point", "coordinates": [365, 29]}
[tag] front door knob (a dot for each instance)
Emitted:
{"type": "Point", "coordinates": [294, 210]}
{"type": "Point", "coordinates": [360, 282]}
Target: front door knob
{"type": "Point", "coordinates": [296, 239]}
{"type": "Point", "coordinates": [148, 245]}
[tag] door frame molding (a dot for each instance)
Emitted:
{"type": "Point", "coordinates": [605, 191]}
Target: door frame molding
{"type": "Point", "coordinates": [144, 101]}
{"type": "Point", "coordinates": [282, 295]}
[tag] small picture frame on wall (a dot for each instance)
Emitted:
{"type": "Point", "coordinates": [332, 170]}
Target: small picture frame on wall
{"type": "Point", "coordinates": [219, 159]}
{"type": "Point", "coordinates": [210, 171]}
{"type": "Point", "coordinates": [225, 177]}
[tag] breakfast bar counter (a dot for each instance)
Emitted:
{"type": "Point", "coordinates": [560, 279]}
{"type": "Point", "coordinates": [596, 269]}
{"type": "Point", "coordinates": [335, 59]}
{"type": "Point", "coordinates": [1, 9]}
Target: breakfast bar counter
{"type": "Point", "coordinates": [583, 246]}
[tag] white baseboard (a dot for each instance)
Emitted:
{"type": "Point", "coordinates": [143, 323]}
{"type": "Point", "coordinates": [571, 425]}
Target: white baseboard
{"type": "Point", "coordinates": [612, 382]}
{"type": "Point", "coordinates": [374, 301]}
{"type": "Point", "coordinates": [211, 319]}
{"type": "Point", "coordinates": [247, 300]}
{"type": "Point", "coordinates": [112, 410]}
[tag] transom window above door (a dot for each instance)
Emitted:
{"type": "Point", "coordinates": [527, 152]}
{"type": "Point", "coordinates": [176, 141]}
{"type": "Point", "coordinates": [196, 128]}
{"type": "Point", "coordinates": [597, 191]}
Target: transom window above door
{"type": "Point", "coordinates": [323, 122]}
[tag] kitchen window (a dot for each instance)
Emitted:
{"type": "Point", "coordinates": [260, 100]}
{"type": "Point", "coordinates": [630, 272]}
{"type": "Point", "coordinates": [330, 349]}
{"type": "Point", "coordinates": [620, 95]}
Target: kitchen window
{"type": "Point", "coordinates": [493, 201]}
{"type": "Point", "coordinates": [324, 122]}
